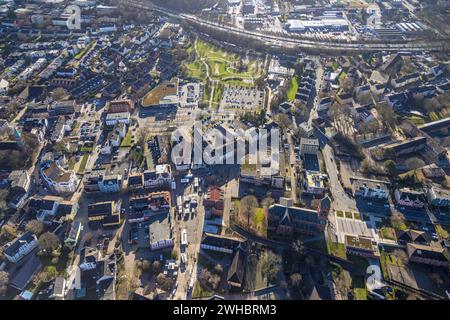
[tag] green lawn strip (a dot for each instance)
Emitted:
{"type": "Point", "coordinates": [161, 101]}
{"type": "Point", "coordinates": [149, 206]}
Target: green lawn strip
{"type": "Point", "coordinates": [359, 288]}
{"type": "Point", "coordinates": [71, 163]}
{"type": "Point", "coordinates": [126, 142]}
{"type": "Point", "coordinates": [387, 233]}
{"type": "Point", "coordinates": [292, 92]}
{"type": "Point", "coordinates": [336, 249]}
{"type": "Point", "coordinates": [200, 292]}
{"type": "Point", "coordinates": [83, 163]}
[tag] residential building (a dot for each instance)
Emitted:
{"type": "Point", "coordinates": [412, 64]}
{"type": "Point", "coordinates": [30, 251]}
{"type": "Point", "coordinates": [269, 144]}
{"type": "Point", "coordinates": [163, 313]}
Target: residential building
{"type": "Point", "coordinates": [439, 198]}
{"type": "Point", "coordinates": [413, 236]}
{"type": "Point", "coordinates": [426, 254]}
{"type": "Point", "coordinates": [409, 198]}
{"type": "Point", "coordinates": [309, 146]}
{"type": "Point", "coordinates": [161, 176]}
{"type": "Point", "coordinates": [214, 202]}
{"type": "Point", "coordinates": [74, 234]}
{"type": "Point", "coordinates": [105, 214]}
{"type": "Point", "coordinates": [370, 190]}
{"type": "Point", "coordinates": [58, 179]}
{"type": "Point", "coordinates": [20, 247]}
{"type": "Point", "coordinates": [19, 184]}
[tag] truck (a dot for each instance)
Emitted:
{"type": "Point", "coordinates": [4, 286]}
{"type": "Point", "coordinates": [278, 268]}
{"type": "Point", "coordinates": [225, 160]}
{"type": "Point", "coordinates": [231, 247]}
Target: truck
{"type": "Point", "coordinates": [184, 241]}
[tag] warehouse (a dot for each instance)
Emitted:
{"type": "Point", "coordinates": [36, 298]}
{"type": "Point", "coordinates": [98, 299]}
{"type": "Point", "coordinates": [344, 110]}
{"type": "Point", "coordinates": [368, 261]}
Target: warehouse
{"type": "Point", "coordinates": [323, 25]}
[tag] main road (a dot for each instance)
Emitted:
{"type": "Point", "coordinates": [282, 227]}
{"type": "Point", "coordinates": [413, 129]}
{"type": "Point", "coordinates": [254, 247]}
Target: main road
{"type": "Point", "coordinates": [293, 43]}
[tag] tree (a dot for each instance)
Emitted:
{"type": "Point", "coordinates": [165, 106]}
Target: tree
{"type": "Point", "coordinates": [218, 268]}
{"type": "Point", "coordinates": [156, 267]}
{"type": "Point", "coordinates": [35, 226]}
{"type": "Point", "coordinates": [271, 266]}
{"type": "Point", "coordinates": [295, 280]}
{"type": "Point", "coordinates": [164, 282]}
{"type": "Point", "coordinates": [414, 163]}
{"type": "Point", "coordinates": [8, 232]}
{"type": "Point", "coordinates": [398, 221]}
{"type": "Point", "coordinates": [298, 247]}
{"type": "Point", "coordinates": [49, 241]}
{"type": "Point", "coordinates": [247, 205]}
{"type": "Point", "coordinates": [371, 126]}
{"type": "Point", "coordinates": [387, 113]}
{"type": "Point", "coordinates": [283, 121]}
{"type": "Point", "coordinates": [146, 266]}
{"type": "Point", "coordinates": [391, 168]}
{"type": "Point", "coordinates": [4, 280]}
{"type": "Point", "coordinates": [59, 94]}
{"type": "Point", "coordinates": [3, 205]}
{"type": "Point", "coordinates": [267, 201]}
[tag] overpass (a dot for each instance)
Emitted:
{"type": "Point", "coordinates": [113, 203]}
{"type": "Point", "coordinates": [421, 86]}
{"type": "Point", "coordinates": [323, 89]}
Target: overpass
{"type": "Point", "coordinates": [284, 42]}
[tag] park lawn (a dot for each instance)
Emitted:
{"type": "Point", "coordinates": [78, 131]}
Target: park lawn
{"type": "Point", "coordinates": [260, 221]}
{"type": "Point", "coordinates": [218, 91]}
{"type": "Point", "coordinates": [332, 248]}
{"type": "Point", "coordinates": [359, 288]}
{"type": "Point", "coordinates": [71, 163]}
{"type": "Point", "coordinates": [387, 233]}
{"type": "Point", "coordinates": [126, 142]}
{"type": "Point", "coordinates": [442, 231]}
{"type": "Point", "coordinates": [335, 65]}
{"type": "Point", "coordinates": [336, 249]}
{"type": "Point", "coordinates": [342, 76]}
{"type": "Point", "coordinates": [83, 163]}
{"type": "Point", "coordinates": [200, 292]}
{"type": "Point", "coordinates": [86, 149]}
{"type": "Point", "coordinates": [292, 92]}
{"type": "Point", "coordinates": [196, 70]}
{"type": "Point", "coordinates": [220, 64]}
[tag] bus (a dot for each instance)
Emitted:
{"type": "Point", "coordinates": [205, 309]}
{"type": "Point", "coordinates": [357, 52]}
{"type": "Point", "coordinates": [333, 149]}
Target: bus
{"type": "Point", "coordinates": [184, 237]}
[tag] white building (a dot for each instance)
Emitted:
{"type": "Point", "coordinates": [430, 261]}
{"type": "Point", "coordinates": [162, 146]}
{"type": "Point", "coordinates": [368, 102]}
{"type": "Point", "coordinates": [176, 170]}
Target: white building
{"type": "Point", "coordinates": [162, 175]}
{"type": "Point", "coordinates": [119, 117]}
{"type": "Point", "coordinates": [60, 180]}
{"type": "Point", "coordinates": [20, 247]}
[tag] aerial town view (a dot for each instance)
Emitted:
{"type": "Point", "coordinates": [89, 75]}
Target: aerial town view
{"type": "Point", "coordinates": [256, 150]}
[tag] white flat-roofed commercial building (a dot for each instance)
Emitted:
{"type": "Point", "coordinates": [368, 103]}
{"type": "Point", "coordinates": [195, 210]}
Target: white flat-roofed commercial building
{"type": "Point", "coordinates": [331, 24]}
{"type": "Point", "coordinates": [119, 117]}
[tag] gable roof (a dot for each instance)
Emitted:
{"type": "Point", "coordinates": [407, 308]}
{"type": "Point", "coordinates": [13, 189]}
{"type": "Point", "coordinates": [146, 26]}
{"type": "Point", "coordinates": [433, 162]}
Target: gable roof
{"type": "Point", "coordinates": [236, 271]}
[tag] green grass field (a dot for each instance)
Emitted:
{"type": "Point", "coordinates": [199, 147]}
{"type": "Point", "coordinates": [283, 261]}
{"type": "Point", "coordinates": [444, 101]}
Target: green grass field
{"type": "Point", "coordinates": [222, 65]}
{"type": "Point", "coordinates": [292, 89]}
{"type": "Point", "coordinates": [83, 163]}
{"type": "Point", "coordinates": [126, 142]}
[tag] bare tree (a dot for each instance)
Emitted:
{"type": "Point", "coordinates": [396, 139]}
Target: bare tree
{"type": "Point", "coordinates": [35, 226]}
{"type": "Point", "coordinates": [247, 206]}
{"type": "Point", "coordinates": [49, 241]}
{"type": "Point", "coordinates": [4, 280]}
{"type": "Point", "coordinates": [295, 280]}
{"type": "Point", "coordinates": [398, 221]}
